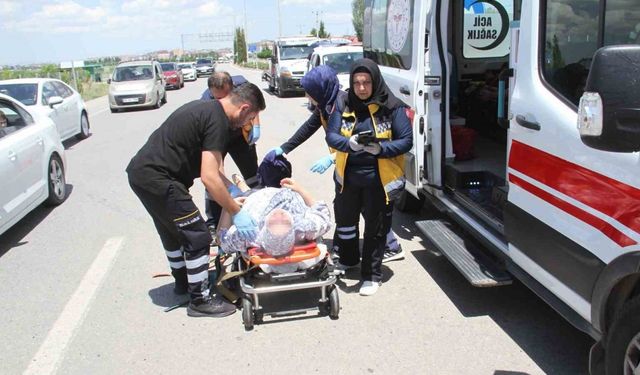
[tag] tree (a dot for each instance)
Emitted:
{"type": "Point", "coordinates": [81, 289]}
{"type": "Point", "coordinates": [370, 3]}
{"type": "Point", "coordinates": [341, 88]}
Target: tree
{"type": "Point", "coordinates": [265, 53]}
{"type": "Point", "coordinates": [239, 46]}
{"type": "Point", "coordinates": [313, 32]}
{"type": "Point", "coordinates": [357, 14]}
{"type": "Point", "coordinates": [322, 33]}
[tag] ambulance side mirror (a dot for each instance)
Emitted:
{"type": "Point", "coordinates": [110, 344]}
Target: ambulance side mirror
{"type": "Point", "coordinates": [609, 110]}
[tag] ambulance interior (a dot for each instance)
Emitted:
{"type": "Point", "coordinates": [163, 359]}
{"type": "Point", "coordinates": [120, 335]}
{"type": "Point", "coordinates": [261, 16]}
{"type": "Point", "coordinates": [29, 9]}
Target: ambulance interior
{"type": "Point", "coordinates": [475, 177]}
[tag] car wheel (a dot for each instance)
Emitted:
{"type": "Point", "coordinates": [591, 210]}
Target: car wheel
{"type": "Point", "coordinates": [622, 350]}
{"type": "Point", "coordinates": [56, 182]}
{"type": "Point", "coordinates": [158, 101]}
{"type": "Point", "coordinates": [85, 130]}
{"type": "Point", "coordinates": [164, 98]}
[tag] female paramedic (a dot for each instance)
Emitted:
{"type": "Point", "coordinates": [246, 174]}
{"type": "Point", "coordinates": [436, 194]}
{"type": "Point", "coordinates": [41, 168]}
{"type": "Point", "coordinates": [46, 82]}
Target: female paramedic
{"type": "Point", "coordinates": [371, 136]}
{"type": "Point", "coordinates": [323, 90]}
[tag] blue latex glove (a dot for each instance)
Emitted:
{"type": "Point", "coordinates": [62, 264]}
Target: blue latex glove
{"type": "Point", "coordinates": [234, 191]}
{"type": "Point", "coordinates": [247, 228]}
{"type": "Point", "coordinates": [278, 150]}
{"type": "Point", "coordinates": [254, 135]}
{"type": "Point", "coordinates": [322, 164]}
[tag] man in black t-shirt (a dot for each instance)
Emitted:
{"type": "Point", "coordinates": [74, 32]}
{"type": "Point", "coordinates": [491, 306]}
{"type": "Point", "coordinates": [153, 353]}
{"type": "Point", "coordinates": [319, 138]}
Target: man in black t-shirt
{"type": "Point", "coordinates": [189, 145]}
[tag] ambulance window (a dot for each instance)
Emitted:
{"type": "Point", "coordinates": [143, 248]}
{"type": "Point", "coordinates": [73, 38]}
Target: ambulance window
{"type": "Point", "coordinates": [388, 30]}
{"type": "Point", "coordinates": [571, 38]}
{"type": "Point", "coordinates": [485, 29]}
{"type": "Point", "coordinates": [622, 23]}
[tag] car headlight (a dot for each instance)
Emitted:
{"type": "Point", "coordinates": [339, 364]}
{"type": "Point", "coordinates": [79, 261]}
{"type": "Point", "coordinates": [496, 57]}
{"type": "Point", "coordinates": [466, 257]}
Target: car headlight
{"type": "Point", "coordinates": [285, 72]}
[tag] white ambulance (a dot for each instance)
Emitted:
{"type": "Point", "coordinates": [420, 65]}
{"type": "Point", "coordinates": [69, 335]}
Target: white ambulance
{"type": "Point", "coordinates": [526, 135]}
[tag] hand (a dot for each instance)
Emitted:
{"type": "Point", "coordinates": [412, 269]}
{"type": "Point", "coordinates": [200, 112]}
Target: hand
{"type": "Point", "coordinates": [289, 183]}
{"type": "Point", "coordinates": [322, 164]}
{"type": "Point", "coordinates": [245, 225]}
{"type": "Point", "coordinates": [254, 134]}
{"type": "Point", "coordinates": [278, 150]}
{"type": "Point", "coordinates": [240, 200]}
{"type": "Point", "coordinates": [373, 148]}
{"type": "Point", "coordinates": [354, 145]}
{"type": "Point", "coordinates": [234, 191]}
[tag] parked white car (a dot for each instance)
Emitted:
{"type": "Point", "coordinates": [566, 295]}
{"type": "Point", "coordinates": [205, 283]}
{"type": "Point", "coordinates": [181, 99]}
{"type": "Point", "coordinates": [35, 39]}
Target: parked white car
{"type": "Point", "coordinates": [32, 162]}
{"type": "Point", "coordinates": [137, 84]}
{"type": "Point", "coordinates": [188, 71]}
{"type": "Point", "coordinates": [339, 58]}
{"type": "Point", "coordinates": [54, 99]}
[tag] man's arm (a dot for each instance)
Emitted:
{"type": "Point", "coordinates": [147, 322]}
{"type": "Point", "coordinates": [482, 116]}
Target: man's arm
{"type": "Point", "coordinates": [215, 182]}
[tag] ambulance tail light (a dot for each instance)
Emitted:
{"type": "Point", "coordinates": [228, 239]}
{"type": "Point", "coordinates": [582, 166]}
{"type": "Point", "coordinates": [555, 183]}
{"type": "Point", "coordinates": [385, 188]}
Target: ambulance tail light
{"type": "Point", "coordinates": [590, 115]}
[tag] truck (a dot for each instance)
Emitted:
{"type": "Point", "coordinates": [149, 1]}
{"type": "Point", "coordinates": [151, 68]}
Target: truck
{"type": "Point", "coordinates": [288, 64]}
{"type": "Point", "coordinates": [526, 138]}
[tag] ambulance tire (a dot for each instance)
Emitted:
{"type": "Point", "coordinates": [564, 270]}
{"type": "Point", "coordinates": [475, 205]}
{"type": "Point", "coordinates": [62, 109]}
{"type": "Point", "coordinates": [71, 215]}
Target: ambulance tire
{"type": "Point", "coordinates": [408, 203]}
{"type": "Point", "coordinates": [247, 313]}
{"type": "Point", "coordinates": [334, 303]}
{"type": "Point", "coordinates": [623, 340]}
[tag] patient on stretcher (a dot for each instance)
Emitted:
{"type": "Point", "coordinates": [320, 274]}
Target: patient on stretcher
{"type": "Point", "coordinates": [286, 217]}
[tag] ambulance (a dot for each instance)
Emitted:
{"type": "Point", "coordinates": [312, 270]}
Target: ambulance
{"type": "Point", "coordinates": [526, 138]}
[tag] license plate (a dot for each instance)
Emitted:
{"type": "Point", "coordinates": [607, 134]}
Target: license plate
{"type": "Point", "coordinates": [130, 100]}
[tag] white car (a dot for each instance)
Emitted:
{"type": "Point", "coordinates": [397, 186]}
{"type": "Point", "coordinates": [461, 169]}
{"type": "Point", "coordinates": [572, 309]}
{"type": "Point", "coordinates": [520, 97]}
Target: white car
{"type": "Point", "coordinates": [137, 84]}
{"type": "Point", "coordinates": [188, 71]}
{"type": "Point", "coordinates": [54, 99]}
{"type": "Point", "coordinates": [339, 58]}
{"type": "Point", "coordinates": [32, 162]}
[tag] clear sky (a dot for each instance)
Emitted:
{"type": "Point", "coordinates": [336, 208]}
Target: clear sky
{"type": "Point", "coordinates": [39, 31]}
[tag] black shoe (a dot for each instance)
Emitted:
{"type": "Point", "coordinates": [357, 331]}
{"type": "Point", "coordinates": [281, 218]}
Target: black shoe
{"type": "Point", "coordinates": [215, 307]}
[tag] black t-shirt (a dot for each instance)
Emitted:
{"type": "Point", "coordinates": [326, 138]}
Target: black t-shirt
{"type": "Point", "coordinates": [174, 151]}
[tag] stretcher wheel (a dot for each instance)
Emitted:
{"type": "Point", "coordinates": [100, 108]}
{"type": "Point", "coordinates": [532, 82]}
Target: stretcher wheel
{"type": "Point", "coordinates": [247, 313]}
{"type": "Point", "coordinates": [334, 302]}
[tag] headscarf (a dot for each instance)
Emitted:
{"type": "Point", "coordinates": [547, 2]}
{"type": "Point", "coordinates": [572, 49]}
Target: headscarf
{"type": "Point", "coordinates": [321, 83]}
{"type": "Point", "coordinates": [381, 95]}
{"type": "Point", "coordinates": [276, 244]}
{"type": "Point", "coordinates": [272, 169]}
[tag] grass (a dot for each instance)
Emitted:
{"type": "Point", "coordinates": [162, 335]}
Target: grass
{"type": "Point", "coordinates": [92, 90]}
{"type": "Point", "coordinates": [260, 65]}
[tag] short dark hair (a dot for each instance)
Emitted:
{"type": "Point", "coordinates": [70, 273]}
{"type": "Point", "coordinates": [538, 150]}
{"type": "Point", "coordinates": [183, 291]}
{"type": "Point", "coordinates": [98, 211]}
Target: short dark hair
{"type": "Point", "coordinates": [219, 81]}
{"type": "Point", "coordinates": [250, 94]}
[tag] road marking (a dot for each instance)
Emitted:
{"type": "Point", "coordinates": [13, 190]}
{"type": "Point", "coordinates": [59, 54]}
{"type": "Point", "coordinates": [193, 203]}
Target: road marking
{"type": "Point", "coordinates": [97, 113]}
{"type": "Point", "coordinates": [54, 346]}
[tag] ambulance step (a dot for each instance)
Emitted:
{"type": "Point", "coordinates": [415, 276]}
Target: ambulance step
{"type": "Point", "coordinates": [476, 267]}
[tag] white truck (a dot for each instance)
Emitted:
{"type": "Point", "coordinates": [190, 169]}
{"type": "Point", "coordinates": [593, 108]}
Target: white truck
{"type": "Point", "coordinates": [526, 136]}
{"type": "Point", "coordinates": [288, 64]}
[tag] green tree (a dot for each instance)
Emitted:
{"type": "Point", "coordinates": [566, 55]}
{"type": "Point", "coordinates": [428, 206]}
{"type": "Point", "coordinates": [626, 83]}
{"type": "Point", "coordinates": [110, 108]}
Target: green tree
{"type": "Point", "coordinates": [265, 53]}
{"type": "Point", "coordinates": [357, 17]}
{"type": "Point", "coordinates": [313, 32]}
{"type": "Point", "coordinates": [322, 33]}
{"type": "Point", "coordinates": [239, 46]}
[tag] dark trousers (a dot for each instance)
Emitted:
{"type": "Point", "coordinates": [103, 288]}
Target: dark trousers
{"type": "Point", "coordinates": [183, 233]}
{"type": "Point", "coordinates": [246, 158]}
{"type": "Point", "coordinates": [371, 202]}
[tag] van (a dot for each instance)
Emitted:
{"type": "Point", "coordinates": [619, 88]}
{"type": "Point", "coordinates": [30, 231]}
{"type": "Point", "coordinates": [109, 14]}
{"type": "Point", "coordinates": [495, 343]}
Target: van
{"type": "Point", "coordinates": [339, 59]}
{"type": "Point", "coordinates": [288, 64]}
{"type": "Point", "coordinates": [137, 84]}
{"type": "Point", "coordinates": [526, 136]}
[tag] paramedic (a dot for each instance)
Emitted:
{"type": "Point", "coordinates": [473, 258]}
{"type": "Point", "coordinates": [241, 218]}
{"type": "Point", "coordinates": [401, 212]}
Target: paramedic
{"type": "Point", "coordinates": [285, 216]}
{"type": "Point", "coordinates": [322, 88]}
{"type": "Point", "coordinates": [368, 175]}
{"type": "Point", "coordinates": [189, 145]}
{"type": "Point", "coordinates": [241, 146]}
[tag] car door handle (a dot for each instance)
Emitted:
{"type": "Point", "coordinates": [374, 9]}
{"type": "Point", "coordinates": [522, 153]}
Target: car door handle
{"type": "Point", "coordinates": [522, 121]}
{"type": "Point", "coordinates": [12, 156]}
{"type": "Point", "coordinates": [405, 90]}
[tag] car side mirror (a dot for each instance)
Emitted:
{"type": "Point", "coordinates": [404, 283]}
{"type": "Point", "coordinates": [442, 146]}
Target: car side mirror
{"type": "Point", "coordinates": [609, 110]}
{"type": "Point", "coordinates": [108, 81]}
{"type": "Point", "coordinates": [55, 100]}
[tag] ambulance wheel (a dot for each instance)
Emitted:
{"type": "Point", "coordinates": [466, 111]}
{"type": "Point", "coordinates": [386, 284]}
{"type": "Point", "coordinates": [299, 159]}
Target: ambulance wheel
{"type": "Point", "coordinates": [622, 351]}
{"type": "Point", "coordinates": [334, 302]}
{"type": "Point", "coordinates": [408, 203]}
{"type": "Point", "coordinates": [247, 313]}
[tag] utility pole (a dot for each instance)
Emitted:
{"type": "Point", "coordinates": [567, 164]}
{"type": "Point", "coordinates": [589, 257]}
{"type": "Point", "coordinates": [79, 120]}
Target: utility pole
{"type": "Point", "coordinates": [317, 13]}
{"type": "Point", "coordinates": [246, 37]}
{"type": "Point", "coordinates": [279, 21]}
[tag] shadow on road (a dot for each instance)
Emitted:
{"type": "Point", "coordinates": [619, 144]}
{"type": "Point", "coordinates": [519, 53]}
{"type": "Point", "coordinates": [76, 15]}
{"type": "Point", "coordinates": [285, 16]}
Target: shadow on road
{"type": "Point", "coordinates": [550, 341]}
{"type": "Point", "coordinates": [14, 236]}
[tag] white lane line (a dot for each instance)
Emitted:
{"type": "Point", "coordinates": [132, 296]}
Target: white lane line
{"type": "Point", "coordinates": [97, 113]}
{"type": "Point", "coordinates": [54, 346]}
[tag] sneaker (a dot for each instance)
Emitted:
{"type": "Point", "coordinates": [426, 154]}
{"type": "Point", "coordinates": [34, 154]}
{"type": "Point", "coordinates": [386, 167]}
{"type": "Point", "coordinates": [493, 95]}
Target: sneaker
{"type": "Point", "coordinates": [369, 288]}
{"type": "Point", "coordinates": [215, 307]}
{"type": "Point", "coordinates": [340, 269]}
{"type": "Point", "coordinates": [391, 255]}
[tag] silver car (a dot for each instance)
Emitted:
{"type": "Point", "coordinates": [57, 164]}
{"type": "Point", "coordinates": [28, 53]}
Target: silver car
{"type": "Point", "coordinates": [136, 84]}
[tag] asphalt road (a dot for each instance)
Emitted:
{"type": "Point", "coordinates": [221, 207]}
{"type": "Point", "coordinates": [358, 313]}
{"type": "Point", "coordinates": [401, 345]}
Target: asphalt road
{"type": "Point", "coordinates": [78, 295]}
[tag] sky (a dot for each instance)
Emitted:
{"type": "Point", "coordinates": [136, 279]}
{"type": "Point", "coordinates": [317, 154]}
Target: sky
{"type": "Point", "coordinates": [39, 31]}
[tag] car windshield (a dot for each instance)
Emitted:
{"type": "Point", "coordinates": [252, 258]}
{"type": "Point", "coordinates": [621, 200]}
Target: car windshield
{"type": "Point", "coordinates": [341, 62]}
{"type": "Point", "coordinates": [185, 66]}
{"type": "Point", "coordinates": [167, 67]}
{"type": "Point", "coordinates": [295, 52]}
{"type": "Point", "coordinates": [204, 62]}
{"type": "Point", "coordinates": [133, 73]}
{"type": "Point", "coordinates": [26, 93]}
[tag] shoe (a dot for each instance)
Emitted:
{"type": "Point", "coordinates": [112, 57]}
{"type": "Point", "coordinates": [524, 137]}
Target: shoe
{"type": "Point", "coordinates": [215, 307]}
{"type": "Point", "coordinates": [369, 288]}
{"type": "Point", "coordinates": [390, 255]}
{"type": "Point", "coordinates": [340, 269]}
{"type": "Point", "coordinates": [215, 241]}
